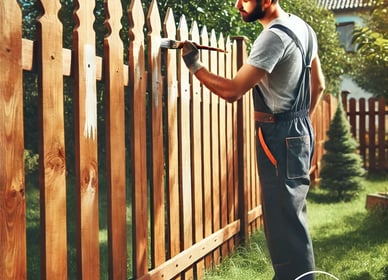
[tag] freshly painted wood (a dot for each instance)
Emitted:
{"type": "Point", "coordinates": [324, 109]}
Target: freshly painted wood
{"type": "Point", "coordinates": [88, 248]}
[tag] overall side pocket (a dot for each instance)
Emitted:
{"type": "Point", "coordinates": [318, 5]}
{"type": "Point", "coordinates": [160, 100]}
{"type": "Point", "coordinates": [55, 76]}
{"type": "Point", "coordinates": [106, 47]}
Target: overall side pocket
{"type": "Point", "coordinates": [298, 156]}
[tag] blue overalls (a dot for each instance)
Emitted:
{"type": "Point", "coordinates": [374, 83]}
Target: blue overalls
{"type": "Point", "coordinates": [284, 149]}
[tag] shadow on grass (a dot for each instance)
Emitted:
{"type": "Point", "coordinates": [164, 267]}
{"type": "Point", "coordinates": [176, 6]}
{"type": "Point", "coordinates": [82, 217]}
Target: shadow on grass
{"type": "Point", "coordinates": [366, 236]}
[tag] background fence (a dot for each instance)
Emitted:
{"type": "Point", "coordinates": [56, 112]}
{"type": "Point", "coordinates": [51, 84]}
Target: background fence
{"type": "Point", "coordinates": [369, 121]}
{"type": "Point", "coordinates": [178, 187]}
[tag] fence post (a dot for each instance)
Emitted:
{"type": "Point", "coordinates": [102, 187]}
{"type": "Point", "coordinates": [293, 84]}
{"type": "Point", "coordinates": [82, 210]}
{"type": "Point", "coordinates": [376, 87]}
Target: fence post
{"type": "Point", "coordinates": [12, 192]}
{"type": "Point", "coordinates": [242, 150]}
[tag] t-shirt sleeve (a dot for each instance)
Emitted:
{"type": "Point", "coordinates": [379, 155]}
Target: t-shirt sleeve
{"type": "Point", "coordinates": [266, 51]}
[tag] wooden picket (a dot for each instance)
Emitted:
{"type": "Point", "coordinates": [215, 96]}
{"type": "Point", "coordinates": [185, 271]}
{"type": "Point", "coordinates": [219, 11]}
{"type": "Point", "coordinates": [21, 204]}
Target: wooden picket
{"type": "Point", "coordinates": [52, 146]}
{"type": "Point", "coordinates": [12, 185]}
{"type": "Point", "coordinates": [115, 143]}
{"type": "Point", "coordinates": [189, 162]}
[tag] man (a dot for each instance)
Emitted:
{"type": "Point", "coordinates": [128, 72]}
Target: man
{"type": "Point", "coordinates": [275, 71]}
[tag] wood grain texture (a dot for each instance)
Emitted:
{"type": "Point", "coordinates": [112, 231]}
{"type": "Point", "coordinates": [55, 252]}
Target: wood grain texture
{"type": "Point", "coordinates": [185, 147]}
{"type": "Point", "coordinates": [12, 185]}
{"type": "Point", "coordinates": [115, 141]}
{"type": "Point", "coordinates": [52, 144]}
{"type": "Point", "coordinates": [88, 250]}
{"type": "Point", "coordinates": [158, 166]}
{"type": "Point", "coordinates": [172, 139]}
{"type": "Point", "coordinates": [137, 87]}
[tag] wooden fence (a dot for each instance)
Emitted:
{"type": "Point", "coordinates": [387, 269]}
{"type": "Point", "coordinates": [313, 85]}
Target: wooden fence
{"type": "Point", "coordinates": [190, 157]}
{"type": "Point", "coordinates": [369, 121]}
{"type": "Point", "coordinates": [193, 176]}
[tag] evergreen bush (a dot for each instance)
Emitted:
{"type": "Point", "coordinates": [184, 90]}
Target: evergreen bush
{"type": "Point", "coordinates": [342, 169]}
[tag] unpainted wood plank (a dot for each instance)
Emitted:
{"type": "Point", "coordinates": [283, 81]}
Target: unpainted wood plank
{"type": "Point", "coordinates": [115, 142]}
{"type": "Point", "coordinates": [363, 135]}
{"type": "Point", "coordinates": [215, 146]}
{"type": "Point", "coordinates": [172, 122]}
{"type": "Point", "coordinates": [156, 80]}
{"type": "Point", "coordinates": [185, 148]}
{"type": "Point", "coordinates": [372, 133]}
{"type": "Point", "coordinates": [381, 134]}
{"type": "Point", "coordinates": [52, 144]}
{"type": "Point", "coordinates": [197, 160]}
{"type": "Point", "coordinates": [229, 143]}
{"type": "Point", "coordinates": [223, 151]}
{"type": "Point", "coordinates": [137, 86]}
{"type": "Point", "coordinates": [88, 260]}
{"type": "Point", "coordinates": [12, 184]}
{"type": "Point", "coordinates": [206, 151]}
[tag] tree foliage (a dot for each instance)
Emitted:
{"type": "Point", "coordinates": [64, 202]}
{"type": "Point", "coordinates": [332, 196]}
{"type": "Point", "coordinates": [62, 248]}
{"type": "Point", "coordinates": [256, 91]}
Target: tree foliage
{"type": "Point", "coordinates": [342, 166]}
{"type": "Point", "coordinates": [371, 58]}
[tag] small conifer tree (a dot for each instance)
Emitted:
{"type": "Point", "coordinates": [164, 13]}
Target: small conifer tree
{"type": "Point", "coordinates": [342, 169]}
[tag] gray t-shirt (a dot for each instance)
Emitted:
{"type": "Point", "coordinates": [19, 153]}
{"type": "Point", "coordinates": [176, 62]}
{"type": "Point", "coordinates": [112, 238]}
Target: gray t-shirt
{"type": "Point", "coordinates": [276, 53]}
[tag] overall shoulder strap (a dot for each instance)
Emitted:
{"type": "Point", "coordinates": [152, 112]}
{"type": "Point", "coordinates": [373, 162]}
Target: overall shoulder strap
{"type": "Point", "coordinates": [306, 59]}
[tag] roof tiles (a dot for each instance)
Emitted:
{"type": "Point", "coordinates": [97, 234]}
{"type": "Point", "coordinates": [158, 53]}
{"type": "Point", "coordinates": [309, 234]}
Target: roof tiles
{"type": "Point", "coordinates": [345, 4]}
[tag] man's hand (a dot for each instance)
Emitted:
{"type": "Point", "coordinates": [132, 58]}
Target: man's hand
{"type": "Point", "coordinates": [190, 55]}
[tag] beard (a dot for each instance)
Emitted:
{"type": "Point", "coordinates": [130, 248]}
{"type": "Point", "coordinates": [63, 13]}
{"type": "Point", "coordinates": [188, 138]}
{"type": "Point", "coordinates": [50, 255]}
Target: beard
{"type": "Point", "coordinates": [256, 14]}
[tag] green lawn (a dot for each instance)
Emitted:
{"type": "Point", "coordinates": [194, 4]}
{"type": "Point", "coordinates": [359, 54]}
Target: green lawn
{"type": "Point", "coordinates": [350, 242]}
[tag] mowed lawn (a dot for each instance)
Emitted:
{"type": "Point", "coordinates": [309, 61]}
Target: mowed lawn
{"type": "Point", "coordinates": [350, 242]}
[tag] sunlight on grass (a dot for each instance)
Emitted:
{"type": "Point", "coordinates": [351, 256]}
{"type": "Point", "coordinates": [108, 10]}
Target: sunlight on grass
{"type": "Point", "coordinates": [349, 241]}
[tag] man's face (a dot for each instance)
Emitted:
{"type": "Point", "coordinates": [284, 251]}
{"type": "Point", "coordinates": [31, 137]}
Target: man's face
{"type": "Point", "coordinates": [250, 10]}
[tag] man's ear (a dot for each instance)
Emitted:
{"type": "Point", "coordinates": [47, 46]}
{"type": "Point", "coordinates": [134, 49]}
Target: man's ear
{"type": "Point", "coordinates": [266, 3]}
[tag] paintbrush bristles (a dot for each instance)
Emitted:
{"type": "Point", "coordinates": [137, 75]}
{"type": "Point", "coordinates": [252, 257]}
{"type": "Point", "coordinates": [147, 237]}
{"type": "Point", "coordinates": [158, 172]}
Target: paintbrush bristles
{"type": "Point", "coordinates": [170, 44]}
{"type": "Point", "coordinates": [173, 44]}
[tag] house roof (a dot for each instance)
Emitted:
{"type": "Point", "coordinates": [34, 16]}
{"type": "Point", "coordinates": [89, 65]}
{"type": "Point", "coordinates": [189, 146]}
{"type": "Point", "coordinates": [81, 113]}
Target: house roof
{"type": "Point", "coordinates": [341, 5]}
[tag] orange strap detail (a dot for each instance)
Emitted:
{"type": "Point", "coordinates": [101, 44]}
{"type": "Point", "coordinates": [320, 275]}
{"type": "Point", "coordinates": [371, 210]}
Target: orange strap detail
{"type": "Point", "coordinates": [266, 149]}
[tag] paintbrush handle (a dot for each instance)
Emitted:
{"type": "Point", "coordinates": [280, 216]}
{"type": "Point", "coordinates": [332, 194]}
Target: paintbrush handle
{"type": "Point", "coordinates": [202, 47]}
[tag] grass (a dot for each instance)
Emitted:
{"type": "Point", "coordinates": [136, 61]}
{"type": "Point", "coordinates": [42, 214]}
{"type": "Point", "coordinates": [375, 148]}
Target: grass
{"type": "Point", "coordinates": [349, 241]}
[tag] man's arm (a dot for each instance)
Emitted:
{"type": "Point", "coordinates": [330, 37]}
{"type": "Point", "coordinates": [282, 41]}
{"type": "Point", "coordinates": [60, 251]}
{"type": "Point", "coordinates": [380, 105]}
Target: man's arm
{"type": "Point", "coordinates": [228, 89]}
{"type": "Point", "coordinates": [317, 84]}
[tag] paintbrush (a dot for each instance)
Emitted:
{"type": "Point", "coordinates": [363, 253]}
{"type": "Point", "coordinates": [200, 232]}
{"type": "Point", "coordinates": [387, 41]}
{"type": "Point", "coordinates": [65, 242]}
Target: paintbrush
{"type": "Point", "coordinates": [173, 44]}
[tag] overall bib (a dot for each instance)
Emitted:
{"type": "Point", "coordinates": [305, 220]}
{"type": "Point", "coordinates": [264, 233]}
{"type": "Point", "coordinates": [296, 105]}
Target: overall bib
{"type": "Point", "coordinates": [284, 149]}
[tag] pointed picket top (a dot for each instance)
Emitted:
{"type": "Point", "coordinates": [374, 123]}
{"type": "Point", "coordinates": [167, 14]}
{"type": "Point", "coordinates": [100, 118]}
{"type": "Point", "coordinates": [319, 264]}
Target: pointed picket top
{"type": "Point", "coordinates": [205, 59]}
{"type": "Point", "coordinates": [221, 55]}
{"type": "Point", "coordinates": [213, 38]}
{"type": "Point", "coordinates": [113, 13]}
{"type": "Point", "coordinates": [153, 19]}
{"type": "Point", "coordinates": [183, 72]}
{"type": "Point", "coordinates": [228, 61]}
{"type": "Point", "coordinates": [221, 42]}
{"type": "Point", "coordinates": [154, 30]}
{"type": "Point", "coordinates": [195, 37]}
{"type": "Point", "coordinates": [169, 25]}
{"type": "Point", "coordinates": [136, 22]}
{"type": "Point", "coordinates": [183, 31]}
